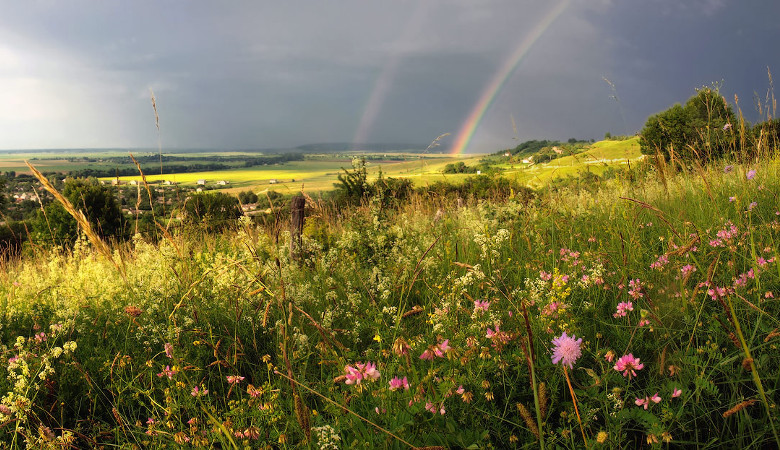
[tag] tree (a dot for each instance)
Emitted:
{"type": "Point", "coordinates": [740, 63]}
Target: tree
{"type": "Point", "coordinates": [699, 130]}
{"type": "Point", "coordinates": [87, 195]}
{"type": "Point", "coordinates": [214, 211]}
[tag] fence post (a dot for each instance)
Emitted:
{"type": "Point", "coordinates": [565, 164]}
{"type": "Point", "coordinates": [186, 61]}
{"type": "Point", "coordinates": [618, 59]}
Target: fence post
{"type": "Point", "coordinates": [297, 216]}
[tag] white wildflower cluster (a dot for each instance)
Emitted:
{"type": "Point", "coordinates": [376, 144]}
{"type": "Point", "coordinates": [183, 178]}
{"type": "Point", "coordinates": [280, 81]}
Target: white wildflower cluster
{"type": "Point", "coordinates": [28, 366]}
{"type": "Point", "coordinates": [490, 246]}
{"type": "Point", "coordinates": [473, 276]}
{"type": "Point", "coordinates": [327, 437]}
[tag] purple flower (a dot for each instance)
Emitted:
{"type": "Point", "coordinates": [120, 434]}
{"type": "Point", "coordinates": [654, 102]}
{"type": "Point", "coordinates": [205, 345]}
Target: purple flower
{"type": "Point", "coordinates": [751, 174]}
{"type": "Point", "coordinates": [728, 168]}
{"type": "Point", "coordinates": [566, 350]}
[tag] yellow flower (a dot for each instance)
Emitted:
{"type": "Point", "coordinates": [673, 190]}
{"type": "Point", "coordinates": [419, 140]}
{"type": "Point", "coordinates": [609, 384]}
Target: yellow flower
{"type": "Point", "coordinates": [378, 338]}
{"type": "Point", "coordinates": [602, 437]}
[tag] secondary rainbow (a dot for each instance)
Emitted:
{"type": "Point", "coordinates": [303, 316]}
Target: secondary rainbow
{"type": "Point", "coordinates": [489, 94]}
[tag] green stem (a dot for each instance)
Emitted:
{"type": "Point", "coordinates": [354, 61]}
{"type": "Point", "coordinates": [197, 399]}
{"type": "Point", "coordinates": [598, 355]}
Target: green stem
{"type": "Point", "coordinates": [753, 371]}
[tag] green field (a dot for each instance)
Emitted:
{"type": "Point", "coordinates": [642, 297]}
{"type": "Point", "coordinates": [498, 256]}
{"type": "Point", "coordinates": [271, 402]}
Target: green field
{"type": "Point", "coordinates": [319, 172]}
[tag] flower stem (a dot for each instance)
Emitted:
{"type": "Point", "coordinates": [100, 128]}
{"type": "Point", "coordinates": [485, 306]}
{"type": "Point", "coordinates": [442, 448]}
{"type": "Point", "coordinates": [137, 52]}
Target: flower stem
{"type": "Point", "coordinates": [576, 410]}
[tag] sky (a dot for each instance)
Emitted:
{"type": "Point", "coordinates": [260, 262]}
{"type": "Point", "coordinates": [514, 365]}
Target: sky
{"type": "Point", "coordinates": [278, 74]}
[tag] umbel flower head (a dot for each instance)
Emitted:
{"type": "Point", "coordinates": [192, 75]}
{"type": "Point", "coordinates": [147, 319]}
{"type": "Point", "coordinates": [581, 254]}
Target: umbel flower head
{"type": "Point", "coordinates": [566, 349]}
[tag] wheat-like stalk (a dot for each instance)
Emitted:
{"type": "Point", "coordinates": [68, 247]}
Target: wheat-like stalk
{"type": "Point", "coordinates": [81, 219]}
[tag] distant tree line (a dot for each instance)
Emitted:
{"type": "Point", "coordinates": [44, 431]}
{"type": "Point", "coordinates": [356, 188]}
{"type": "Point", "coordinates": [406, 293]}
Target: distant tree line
{"type": "Point", "coordinates": [181, 168]}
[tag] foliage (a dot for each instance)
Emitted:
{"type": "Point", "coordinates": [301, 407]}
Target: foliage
{"type": "Point", "coordinates": [87, 195]}
{"type": "Point", "coordinates": [214, 211]}
{"type": "Point", "coordinates": [701, 130]}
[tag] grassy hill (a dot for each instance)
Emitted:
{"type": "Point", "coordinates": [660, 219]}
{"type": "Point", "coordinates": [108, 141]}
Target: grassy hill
{"type": "Point", "coordinates": [635, 313]}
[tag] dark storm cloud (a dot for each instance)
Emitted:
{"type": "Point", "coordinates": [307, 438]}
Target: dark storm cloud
{"type": "Point", "coordinates": [276, 74]}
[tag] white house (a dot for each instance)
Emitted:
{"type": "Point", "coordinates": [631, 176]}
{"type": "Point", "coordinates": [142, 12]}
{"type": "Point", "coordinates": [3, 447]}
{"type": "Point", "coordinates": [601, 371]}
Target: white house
{"type": "Point", "coordinates": [201, 182]}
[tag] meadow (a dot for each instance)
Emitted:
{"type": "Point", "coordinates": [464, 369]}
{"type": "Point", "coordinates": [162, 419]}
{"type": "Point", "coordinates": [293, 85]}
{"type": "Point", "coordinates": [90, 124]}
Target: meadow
{"type": "Point", "coordinates": [640, 313]}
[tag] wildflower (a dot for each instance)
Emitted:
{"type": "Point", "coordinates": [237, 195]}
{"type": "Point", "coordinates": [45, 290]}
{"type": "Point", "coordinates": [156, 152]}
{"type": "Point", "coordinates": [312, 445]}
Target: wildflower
{"type": "Point", "coordinates": [427, 355]}
{"type": "Point", "coordinates": [636, 289]}
{"type": "Point", "coordinates": [169, 350]}
{"type": "Point", "coordinates": [253, 391]}
{"type": "Point", "coordinates": [622, 309]}
{"type": "Point", "coordinates": [252, 433]}
{"type": "Point", "coordinates": [751, 174]}
{"type": "Point", "coordinates": [433, 409]}
{"type": "Point", "coordinates": [644, 322]}
{"type": "Point", "coordinates": [234, 379]}
{"type": "Point", "coordinates": [398, 383]}
{"type": "Point", "coordinates": [355, 374]}
{"type": "Point", "coordinates": [610, 356]}
{"type": "Point", "coordinates": [676, 392]}
{"type": "Point", "coordinates": [687, 270]}
{"type": "Point", "coordinates": [481, 305]}
{"type": "Point", "coordinates": [752, 205]}
{"type": "Point", "coordinates": [660, 262]}
{"type": "Point", "coordinates": [198, 392]}
{"type": "Point", "coordinates": [656, 398]}
{"type": "Point", "coordinates": [400, 347]}
{"type": "Point", "coordinates": [628, 365]}
{"type": "Point", "coordinates": [442, 348]}
{"type": "Point", "coordinates": [602, 437]}
{"type": "Point", "coordinates": [460, 390]}
{"type": "Point", "coordinates": [168, 372]}
{"type": "Point", "coordinates": [727, 127]}
{"type": "Point", "coordinates": [567, 349]}
{"type": "Point", "coordinates": [641, 402]}
{"type": "Point", "coordinates": [732, 199]}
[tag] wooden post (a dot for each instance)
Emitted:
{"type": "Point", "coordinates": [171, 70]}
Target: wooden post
{"type": "Point", "coordinates": [297, 216]}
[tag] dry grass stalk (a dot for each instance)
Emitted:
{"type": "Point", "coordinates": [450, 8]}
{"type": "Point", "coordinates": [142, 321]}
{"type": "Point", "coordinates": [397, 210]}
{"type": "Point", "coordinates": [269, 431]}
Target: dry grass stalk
{"type": "Point", "coordinates": [543, 397]}
{"type": "Point", "coordinates": [302, 414]}
{"type": "Point", "coordinates": [739, 407]}
{"type": "Point", "coordinates": [81, 219]}
{"type": "Point", "coordinates": [146, 185]}
{"type": "Point", "coordinates": [529, 421]}
{"type": "Point", "coordinates": [416, 309]}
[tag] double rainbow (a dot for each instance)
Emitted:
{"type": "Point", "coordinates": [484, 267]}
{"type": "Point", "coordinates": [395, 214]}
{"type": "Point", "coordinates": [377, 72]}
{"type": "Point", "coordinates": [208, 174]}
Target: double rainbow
{"type": "Point", "coordinates": [489, 94]}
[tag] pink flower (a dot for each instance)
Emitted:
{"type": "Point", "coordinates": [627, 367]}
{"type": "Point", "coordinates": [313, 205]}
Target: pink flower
{"type": "Point", "coordinates": [481, 305]}
{"type": "Point", "coordinates": [427, 355]}
{"type": "Point", "coordinates": [490, 333]}
{"type": "Point", "coordinates": [623, 308]}
{"type": "Point", "coordinates": [636, 289]}
{"type": "Point", "coordinates": [656, 398]}
{"type": "Point", "coordinates": [628, 365]}
{"type": "Point", "coordinates": [442, 348]}
{"type": "Point", "coordinates": [432, 408]}
{"type": "Point", "coordinates": [355, 374]}
{"type": "Point", "coordinates": [676, 393]}
{"type": "Point", "coordinates": [198, 392]}
{"type": "Point", "coordinates": [398, 383]}
{"type": "Point", "coordinates": [460, 390]}
{"type": "Point", "coordinates": [233, 379]}
{"type": "Point", "coordinates": [687, 270]}
{"type": "Point", "coordinates": [567, 349]}
{"type": "Point", "coordinates": [751, 174]}
{"type": "Point", "coordinates": [168, 372]}
{"type": "Point", "coordinates": [641, 402]}
{"type": "Point", "coordinates": [169, 350]}
{"type": "Point", "coordinates": [610, 356]}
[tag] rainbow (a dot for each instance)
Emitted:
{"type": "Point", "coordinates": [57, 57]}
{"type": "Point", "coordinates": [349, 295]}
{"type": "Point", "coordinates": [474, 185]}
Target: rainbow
{"type": "Point", "coordinates": [489, 94]}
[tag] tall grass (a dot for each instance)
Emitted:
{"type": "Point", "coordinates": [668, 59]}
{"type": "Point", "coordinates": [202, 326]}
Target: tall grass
{"type": "Point", "coordinates": [225, 340]}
